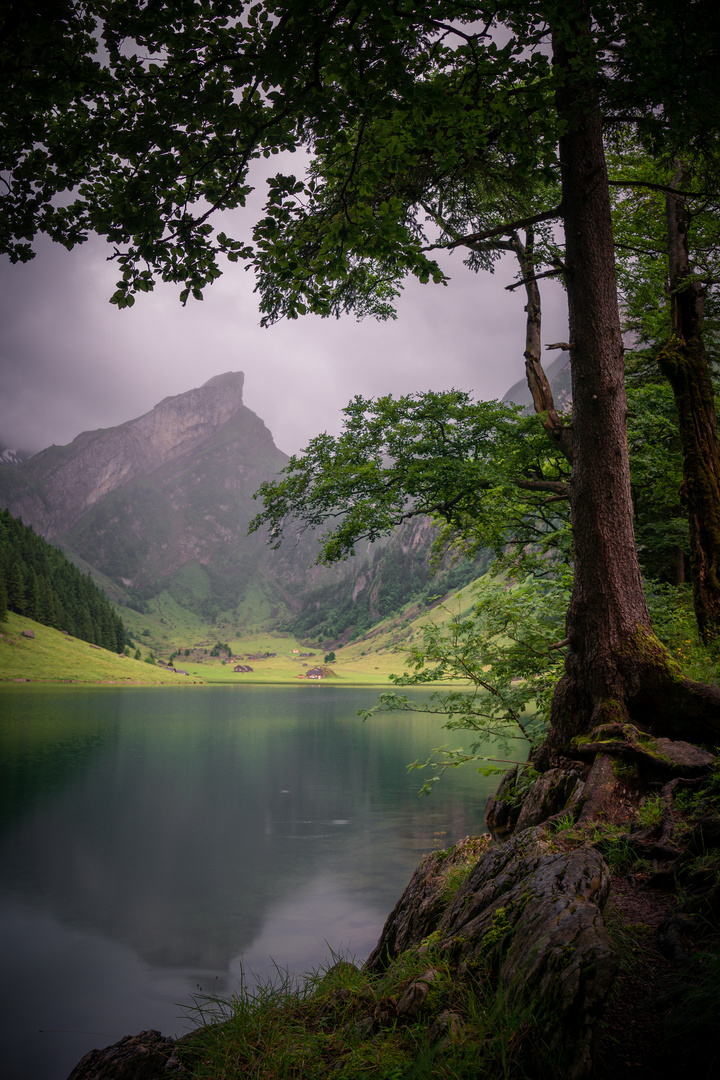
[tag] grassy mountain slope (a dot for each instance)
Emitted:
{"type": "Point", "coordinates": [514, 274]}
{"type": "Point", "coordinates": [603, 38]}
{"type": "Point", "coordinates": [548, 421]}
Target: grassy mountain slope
{"type": "Point", "coordinates": [54, 657]}
{"type": "Point", "coordinates": [37, 581]}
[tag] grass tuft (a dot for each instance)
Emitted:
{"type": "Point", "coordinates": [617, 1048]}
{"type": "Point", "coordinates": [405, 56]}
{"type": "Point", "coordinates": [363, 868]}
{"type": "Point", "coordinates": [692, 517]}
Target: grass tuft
{"type": "Point", "coordinates": [651, 812]}
{"type": "Point", "coordinates": [345, 1023]}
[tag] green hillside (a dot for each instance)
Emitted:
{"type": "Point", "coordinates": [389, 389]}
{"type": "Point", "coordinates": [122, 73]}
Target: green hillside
{"type": "Point", "coordinates": [394, 577]}
{"type": "Point", "coordinates": [171, 632]}
{"type": "Point", "coordinates": [51, 656]}
{"type": "Point", "coordinates": [36, 580]}
{"type": "Point", "coordinates": [54, 657]}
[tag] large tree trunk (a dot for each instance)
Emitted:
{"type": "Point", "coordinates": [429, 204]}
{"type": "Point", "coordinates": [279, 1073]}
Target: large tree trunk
{"type": "Point", "coordinates": [616, 669]}
{"type": "Point", "coordinates": [684, 363]}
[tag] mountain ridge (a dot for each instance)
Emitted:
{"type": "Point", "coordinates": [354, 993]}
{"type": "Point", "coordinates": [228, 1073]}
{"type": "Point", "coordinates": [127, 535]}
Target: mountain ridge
{"type": "Point", "coordinates": [160, 501]}
{"type": "Point", "coordinates": [162, 504]}
{"type": "Point", "coordinates": [96, 463]}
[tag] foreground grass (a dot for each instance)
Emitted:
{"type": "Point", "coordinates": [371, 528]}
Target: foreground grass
{"type": "Point", "coordinates": [53, 657]}
{"type": "Point", "coordinates": [346, 1023]}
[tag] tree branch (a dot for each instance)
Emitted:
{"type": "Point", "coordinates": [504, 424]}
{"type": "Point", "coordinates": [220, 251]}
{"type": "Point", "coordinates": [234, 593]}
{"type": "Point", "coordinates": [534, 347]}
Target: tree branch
{"type": "Point", "coordinates": [556, 487]}
{"type": "Point", "coordinates": [501, 230]}
{"type": "Point", "coordinates": [665, 188]}
{"type": "Point", "coordinates": [535, 277]}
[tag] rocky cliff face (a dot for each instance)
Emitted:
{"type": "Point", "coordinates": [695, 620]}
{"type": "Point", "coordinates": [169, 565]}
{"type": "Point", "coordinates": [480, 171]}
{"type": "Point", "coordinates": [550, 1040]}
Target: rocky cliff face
{"type": "Point", "coordinates": [165, 495]}
{"type": "Point", "coordinates": [54, 489]}
{"type": "Point", "coordinates": [163, 502]}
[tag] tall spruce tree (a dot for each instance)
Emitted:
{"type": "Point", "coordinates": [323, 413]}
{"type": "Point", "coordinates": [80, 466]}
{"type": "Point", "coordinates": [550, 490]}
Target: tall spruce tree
{"type": "Point", "coordinates": [15, 582]}
{"type": "Point", "coordinates": [3, 599]}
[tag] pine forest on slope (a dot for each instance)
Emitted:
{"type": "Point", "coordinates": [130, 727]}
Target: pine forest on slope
{"type": "Point", "coordinates": [37, 581]}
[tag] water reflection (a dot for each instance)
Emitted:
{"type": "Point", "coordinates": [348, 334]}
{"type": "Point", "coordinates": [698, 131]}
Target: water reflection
{"type": "Point", "coordinates": [164, 837]}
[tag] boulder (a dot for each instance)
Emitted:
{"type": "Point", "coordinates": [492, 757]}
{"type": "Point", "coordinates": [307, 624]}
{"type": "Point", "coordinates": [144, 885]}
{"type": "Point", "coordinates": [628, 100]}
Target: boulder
{"type": "Point", "coordinates": [523, 803]}
{"type": "Point", "coordinates": [446, 1024]}
{"type": "Point", "coordinates": [418, 911]}
{"type": "Point", "coordinates": [503, 808]}
{"type": "Point", "coordinates": [535, 915]}
{"type": "Point", "coordinates": [682, 758]}
{"type": "Point", "coordinates": [414, 995]}
{"type": "Point", "coordinates": [547, 796]}
{"type": "Point", "coordinates": [147, 1056]}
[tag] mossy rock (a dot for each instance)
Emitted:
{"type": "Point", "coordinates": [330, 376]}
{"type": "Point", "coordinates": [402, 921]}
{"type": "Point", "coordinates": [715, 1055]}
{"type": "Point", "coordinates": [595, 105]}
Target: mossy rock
{"type": "Point", "coordinates": [666, 757]}
{"type": "Point", "coordinates": [502, 809]}
{"type": "Point", "coordinates": [528, 917]}
{"type": "Point", "coordinates": [547, 796]}
{"type": "Point", "coordinates": [417, 913]}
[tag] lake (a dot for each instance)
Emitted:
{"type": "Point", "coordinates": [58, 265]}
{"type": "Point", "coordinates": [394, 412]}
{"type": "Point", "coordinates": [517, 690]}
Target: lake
{"type": "Point", "coordinates": [156, 844]}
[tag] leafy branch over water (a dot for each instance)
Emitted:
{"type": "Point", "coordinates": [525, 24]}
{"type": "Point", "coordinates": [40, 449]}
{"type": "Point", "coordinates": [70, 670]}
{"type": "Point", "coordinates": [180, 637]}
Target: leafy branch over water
{"type": "Point", "coordinates": [509, 649]}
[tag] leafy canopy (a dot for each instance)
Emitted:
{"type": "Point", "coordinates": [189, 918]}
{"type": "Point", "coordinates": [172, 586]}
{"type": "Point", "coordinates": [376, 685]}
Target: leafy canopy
{"type": "Point", "coordinates": [142, 120]}
{"type": "Point", "coordinates": [482, 468]}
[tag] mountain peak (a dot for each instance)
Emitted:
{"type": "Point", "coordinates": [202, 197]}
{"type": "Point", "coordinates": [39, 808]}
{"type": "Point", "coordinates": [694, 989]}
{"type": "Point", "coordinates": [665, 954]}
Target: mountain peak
{"type": "Point", "coordinates": [231, 380]}
{"type": "Point", "coordinates": [74, 478]}
{"type": "Point", "coordinates": [230, 384]}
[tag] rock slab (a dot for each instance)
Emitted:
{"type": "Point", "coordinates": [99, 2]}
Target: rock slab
{"type": "Point", "coordinates": [146, 1056]}
{"type": "Point", "coordinates": [537, 914]}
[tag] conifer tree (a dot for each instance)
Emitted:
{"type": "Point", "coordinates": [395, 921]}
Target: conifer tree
{"type": "Point", "coordinates": [3, 599]}
{"type": "Point", "coordinates": [16, 588]}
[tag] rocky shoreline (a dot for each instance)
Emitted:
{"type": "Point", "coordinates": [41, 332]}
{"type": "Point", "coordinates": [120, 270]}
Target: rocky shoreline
{"type": "Point", "coordinates": [594, 904]}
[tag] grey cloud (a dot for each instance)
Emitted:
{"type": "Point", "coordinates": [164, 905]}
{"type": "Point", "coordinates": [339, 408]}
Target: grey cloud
{"type": "Point", "coordinates": [69, 361]}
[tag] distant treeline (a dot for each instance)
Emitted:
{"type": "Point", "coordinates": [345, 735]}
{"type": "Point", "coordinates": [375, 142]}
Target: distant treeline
{"type": "Point", "coordinates": [37, 580]}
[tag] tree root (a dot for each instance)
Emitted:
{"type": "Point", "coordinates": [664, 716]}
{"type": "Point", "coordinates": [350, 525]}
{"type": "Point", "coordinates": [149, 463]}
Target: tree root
{"type": "Point", "coordinates": [640, 684]}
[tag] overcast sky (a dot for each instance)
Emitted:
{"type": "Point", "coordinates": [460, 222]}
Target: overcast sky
{"type": "Point", "coordinates": [70, 361]}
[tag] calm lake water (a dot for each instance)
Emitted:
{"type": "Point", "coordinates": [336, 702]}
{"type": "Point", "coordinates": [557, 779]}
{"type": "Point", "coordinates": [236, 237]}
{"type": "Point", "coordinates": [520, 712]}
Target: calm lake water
{"type": "Point", "coordinates": [155, 844]}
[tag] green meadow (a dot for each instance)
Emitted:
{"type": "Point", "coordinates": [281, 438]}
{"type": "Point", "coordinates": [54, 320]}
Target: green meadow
{"type": "Point", "coordinates": [53, 657]}
{"type": "Point", "coordinates": [167, 629]}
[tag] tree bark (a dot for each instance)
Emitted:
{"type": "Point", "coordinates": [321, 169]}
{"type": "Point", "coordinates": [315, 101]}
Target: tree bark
{"type": "Point", "coordinates": [543, 402]}
{"type": "Point", "coordinates": [616, 669]}
{"type": "Point", "coordinates": [683, 361]}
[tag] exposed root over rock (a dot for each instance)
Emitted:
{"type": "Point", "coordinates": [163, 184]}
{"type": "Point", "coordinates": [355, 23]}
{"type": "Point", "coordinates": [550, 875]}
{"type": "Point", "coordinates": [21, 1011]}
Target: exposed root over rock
{"type": "Point", "coordinates": [666, 757]}
{"type": "Point", "coordinates": [533, 914]}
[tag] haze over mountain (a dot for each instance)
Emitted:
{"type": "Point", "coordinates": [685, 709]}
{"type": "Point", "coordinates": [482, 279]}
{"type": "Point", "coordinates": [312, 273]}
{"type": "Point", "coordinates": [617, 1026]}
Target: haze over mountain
{"type": "Point", "coordinates": [162, 501]}
{"type": "Point", "coordinates": [161, 505]}
{"type": "Point", "coordinates": [12, 456]}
